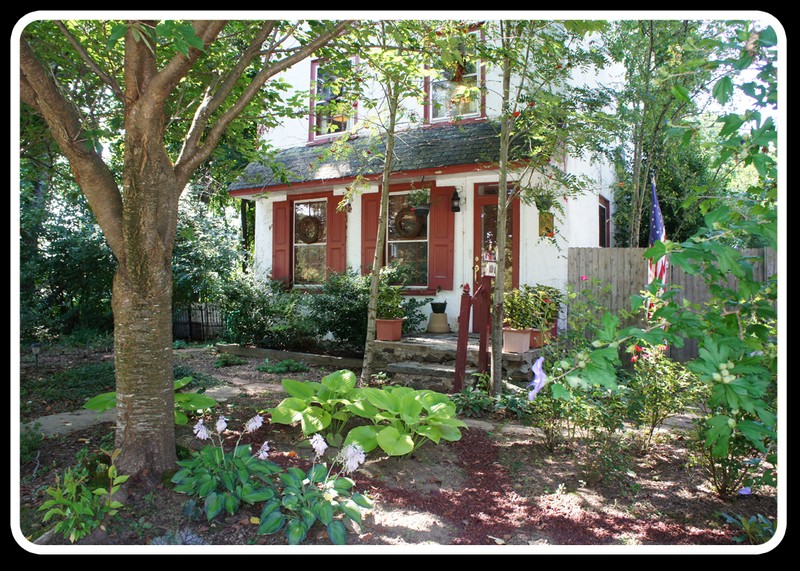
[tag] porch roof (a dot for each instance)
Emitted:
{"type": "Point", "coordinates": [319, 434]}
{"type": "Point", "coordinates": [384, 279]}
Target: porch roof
{"type": "Point", "coordinates": [469, 144]}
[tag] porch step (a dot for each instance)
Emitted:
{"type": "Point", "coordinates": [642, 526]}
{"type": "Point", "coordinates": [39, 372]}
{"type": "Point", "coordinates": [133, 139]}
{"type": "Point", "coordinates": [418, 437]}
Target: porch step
{"type": "Point", "coordinates": [433, 376]}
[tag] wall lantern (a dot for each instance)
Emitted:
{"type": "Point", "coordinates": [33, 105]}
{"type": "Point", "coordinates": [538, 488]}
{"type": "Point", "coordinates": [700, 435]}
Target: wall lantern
{"type": "Point", "coordinates": [456, 202]}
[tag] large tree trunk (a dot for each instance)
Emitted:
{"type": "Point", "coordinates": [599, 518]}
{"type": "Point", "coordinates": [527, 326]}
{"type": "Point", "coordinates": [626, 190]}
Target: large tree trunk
{"type": "Point", "coordinates": [142, 304]}
{"type": "Point", "coordinates": [145, 378]}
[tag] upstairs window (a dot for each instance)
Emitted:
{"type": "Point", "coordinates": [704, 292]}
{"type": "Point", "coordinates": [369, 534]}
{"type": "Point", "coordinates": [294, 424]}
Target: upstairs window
{"type": "Point", "coordinates": [455, 91]}
{"type": "Point", "coordinates": [332, 111]}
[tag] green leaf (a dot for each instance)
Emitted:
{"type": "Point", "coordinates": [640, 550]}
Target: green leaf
{"type": "Point", "coordinates": [260, 495]}
{"type": "Point", "coordinates": [117, 32]}
{"type": "Point", "coordinates": [213, 505]}
{"type": "Point", "coordinates": [362, 500]}
{"type": "Point", "coordinates": [272, 523]}
{"type": "Point", "coordinates": [364, 436]}
{"type": "Point", "coordinates": [341, 382]}
{"type": "Point", "coordinates": [395, 443]}
{"type": "Point", "coordinates": [317, 473]}
{"type": "Point", "coordinates": [102, 402]}
{"type": "Point", "coordinates": [324, 512]}
{"type": "Point", "coordinates": [723, 90]}
{"type": "Point", "coordinates": [337, 532]}
{"type": "Point", "coordinates": [681, 93]}
{"type": "Point", "coordinates": [295, 532]}
{"type": "Point", "coordinates": [299, 389]}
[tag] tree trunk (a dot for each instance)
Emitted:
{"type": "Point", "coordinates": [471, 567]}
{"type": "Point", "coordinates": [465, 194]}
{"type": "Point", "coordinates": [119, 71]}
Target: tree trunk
{"type": "Point", "coordinates": [144, 372]}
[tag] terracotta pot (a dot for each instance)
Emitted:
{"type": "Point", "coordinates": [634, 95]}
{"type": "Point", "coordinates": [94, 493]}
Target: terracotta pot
{"type": "Point", "coordinates": [516, 340]}
{"type": "Point", "coordinates": [388, 329]}
{"type": "Point", "coordinates": [536, 338]}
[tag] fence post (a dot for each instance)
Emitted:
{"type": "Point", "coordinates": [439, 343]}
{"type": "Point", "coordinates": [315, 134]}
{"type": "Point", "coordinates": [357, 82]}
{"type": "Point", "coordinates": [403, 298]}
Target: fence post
{"type": "Point", "coordinates": [463, 339]}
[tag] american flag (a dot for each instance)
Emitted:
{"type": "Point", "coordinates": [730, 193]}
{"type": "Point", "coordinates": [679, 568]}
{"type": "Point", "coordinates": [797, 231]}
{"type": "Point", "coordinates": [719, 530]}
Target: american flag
{"type": "Point", "coordinates": [657, 270]}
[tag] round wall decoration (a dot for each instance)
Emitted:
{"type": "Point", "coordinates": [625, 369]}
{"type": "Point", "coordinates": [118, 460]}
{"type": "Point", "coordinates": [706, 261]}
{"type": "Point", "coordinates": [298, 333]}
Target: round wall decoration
{"type": "Point", "coordinates": [308, 229]}
{"type": "Point", "coordinates": [406, 222]}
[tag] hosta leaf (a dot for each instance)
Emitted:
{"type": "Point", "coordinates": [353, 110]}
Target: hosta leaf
{"type": "Point", "coordinates": [324, 512]}
{"type": "Point", "coordinates": [364, 436]}
{"type": "Point", "coordinates": [213, 505]}
{"type": "Point", "coordinates": [272, 523]}
{"type": "Point", "coordinates": [295, 532]}
{"type": "Point", "coordinates": [395, 443]}
{"type": "Point", "coordinates": [337, 532]}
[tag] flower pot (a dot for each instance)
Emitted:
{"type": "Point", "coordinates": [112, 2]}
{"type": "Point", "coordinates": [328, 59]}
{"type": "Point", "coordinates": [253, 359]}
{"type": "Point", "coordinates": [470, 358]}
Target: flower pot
{"type": "Point", "coordinates": [516, 340]}
{"type": "Point", "coordinates": [388, 329]}
{"type": "Point", "coordinates": [536, 338]}
{"type": "Point", "coordinates": [438, 306]}
{"type": "Point", "coordinates": [422, 210]}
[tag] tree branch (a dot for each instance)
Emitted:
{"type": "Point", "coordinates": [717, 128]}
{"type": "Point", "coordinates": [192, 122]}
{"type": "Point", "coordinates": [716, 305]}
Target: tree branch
{"type": "Point", "coordinates": [108, 79]}
{"type": "Point", "coordinates": [39, 89]}
{"type": "Point", "coordinates": [192, 157]}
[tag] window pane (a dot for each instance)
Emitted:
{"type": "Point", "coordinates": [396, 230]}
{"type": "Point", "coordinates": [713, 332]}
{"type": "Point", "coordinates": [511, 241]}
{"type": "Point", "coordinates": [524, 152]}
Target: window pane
{"type": "Point", "coordinates": [310, 239]}
{"type": "Point", "coordinates": [451, 99]}
{"type": "Point", "coordinates": [411, 259]}
{"type": "Point", "coordinates": [309, 264]}
{"type": "Point", "coordinates": [403, 223]}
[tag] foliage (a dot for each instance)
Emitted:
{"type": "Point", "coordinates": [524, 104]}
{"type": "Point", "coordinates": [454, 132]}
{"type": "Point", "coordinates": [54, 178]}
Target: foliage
{"type": "Point", "coordinates": [226, 479]}
{"type": "Point", "coordinates": [265, 314]}
{"type": "Point", "coordinates": [419, 197]}
{"type": "Point", "coordinates": [390, 302]}
{"type": "Point", "coordinates": [318, 406]}
{"type": "Point", "coordinates": [659, 388]}
{"type": "Point", "coordinates": [30, 440]}
{"type": "Point", "coordinates": [403, 419]}
{"type": "Point", "coordinates": [185, 403]}
{"type": "Point", "coordinates": [319, 495]}
{"type": "Point", "coordinates": [284, 366]}
{"type": "Point", "coordinates": [179, 537]}
{"type": "Point", "coordinates": [340, 308]}
{"type": "Point", "coordinates": [73, 385]}
{"type": "Point", "coordinates": [473, 402]}
{"type": "Point", "coordinates": [532, 306]}
{"type": "Point", "coordinates": [229, 360]}
{"type": "Point", "coordinates": [80, 509]}
{"type": "Point", "coordinates": [755, 530]}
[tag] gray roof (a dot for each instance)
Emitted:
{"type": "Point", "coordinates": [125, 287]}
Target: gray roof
{"type": "Point", "coordinates": [415, 149]}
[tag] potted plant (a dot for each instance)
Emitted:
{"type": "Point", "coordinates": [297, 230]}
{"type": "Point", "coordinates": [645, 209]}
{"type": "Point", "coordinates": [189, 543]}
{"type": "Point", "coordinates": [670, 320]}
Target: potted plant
{"type": "Point", "coordinates": [438, 306]}
{"type": "Point", "coordinates": [420, 201]}
{"type": "Point", "coordinates": [390, 313]}
{"type": "Point", "coordinates": [545, 304]}
{"type": "Point", "coordinates": [519, 319]}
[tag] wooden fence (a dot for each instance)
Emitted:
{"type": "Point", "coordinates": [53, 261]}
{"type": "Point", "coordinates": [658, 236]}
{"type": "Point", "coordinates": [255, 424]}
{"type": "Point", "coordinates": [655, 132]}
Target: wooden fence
{"type": "Point", "coordinates": [613, 275]}
{"type": "Point", "coordinates": [198, 322]}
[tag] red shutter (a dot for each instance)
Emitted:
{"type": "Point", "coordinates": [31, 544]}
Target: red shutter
{"type": "Point", "coordinates": [281, 241]}
{"type": "Point", "coordinates": [337, 237]}
{"type": "Point", "coordinates": [441, 238]}
{"type": "Point", "coordinates": [370, 213]}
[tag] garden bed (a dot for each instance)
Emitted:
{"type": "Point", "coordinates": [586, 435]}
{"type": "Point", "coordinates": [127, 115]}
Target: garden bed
{"type": "Point", "coordinates": [497, 486]}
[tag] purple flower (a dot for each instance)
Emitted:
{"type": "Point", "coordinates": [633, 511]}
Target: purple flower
{"type": "Point", "coordinates": [744, 492]}
{"type": "Point", "coordinates": [200, 430]}
{"type": "Point", "coordinates": [263, 452]}
{"type": "Point", "coordinates": [539, 379]}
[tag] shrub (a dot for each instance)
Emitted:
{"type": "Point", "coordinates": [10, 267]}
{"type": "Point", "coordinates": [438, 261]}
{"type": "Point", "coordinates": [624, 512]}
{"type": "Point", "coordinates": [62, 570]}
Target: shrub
{"type": "Point", "coordinates": [340, 308]}
{"type": "Point", "coordinates": [265, 314]}
{"type": "Point", "coordinates": [285, 366]}
{"type": "Point", "coordinates": [229, 360]}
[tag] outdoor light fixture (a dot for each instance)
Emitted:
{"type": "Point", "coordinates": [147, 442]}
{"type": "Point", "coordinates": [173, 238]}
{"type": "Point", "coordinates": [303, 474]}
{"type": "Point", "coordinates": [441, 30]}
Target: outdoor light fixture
{"type": "Point", "coordinates": [35, 348]}
{"type": "Point", "coordinates": [456, 202]}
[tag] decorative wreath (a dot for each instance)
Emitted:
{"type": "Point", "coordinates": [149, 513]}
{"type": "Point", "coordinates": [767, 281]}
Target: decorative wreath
{"type": "Point", "coordinates": [309, 229]}
{"type": "Point", "coordinates": [406, 222]}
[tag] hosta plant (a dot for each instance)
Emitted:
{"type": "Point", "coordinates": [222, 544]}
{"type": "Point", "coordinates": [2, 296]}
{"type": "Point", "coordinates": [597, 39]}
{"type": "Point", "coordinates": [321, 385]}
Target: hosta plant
{"type": "Point", "coordinates": [323, 495]}
{"type": "Point", "coordinates": [403, 419]}
{"type": "Point", "coordinates": [318, 406]}
{"type": "Point", "coordinates": [226, 479]}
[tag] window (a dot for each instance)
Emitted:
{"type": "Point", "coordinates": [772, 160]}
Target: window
{"type": "Point", "coordinates": [604, 223]}
{"type": "Point", "coordinates": [547, 228]}
{"type": "Point", "coordinates": [310, 242]}
{"type": "Point", "coordinates": [407, 242]}
{"type": "Point", "coordinates": [455, 92]}
{"type": "Point", "coordinates": [331, 110]}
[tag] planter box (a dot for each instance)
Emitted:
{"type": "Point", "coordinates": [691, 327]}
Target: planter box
{"type": "Point", "coordinates": [388, 329]}
{"type": "Point", "coordinates": [516, 340]}
{"type": "Point", "coordinates": [539, 338]}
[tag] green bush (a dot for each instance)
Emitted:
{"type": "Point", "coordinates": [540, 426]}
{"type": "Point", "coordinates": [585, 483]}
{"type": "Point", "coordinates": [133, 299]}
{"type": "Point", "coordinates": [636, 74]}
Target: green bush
{"type": "Point", "coordinates": [340, 308]}
{"type": "Point", "coordinates": [265, 314]}
{"type": "Point", "coordinates": [229, 360]}
{"type": "Point", "coordinates": [285, 366]}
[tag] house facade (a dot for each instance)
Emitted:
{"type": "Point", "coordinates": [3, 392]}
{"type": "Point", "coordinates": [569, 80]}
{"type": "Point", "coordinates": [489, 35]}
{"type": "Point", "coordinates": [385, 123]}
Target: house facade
{"type": "Point", "coordinates": [302, 234]}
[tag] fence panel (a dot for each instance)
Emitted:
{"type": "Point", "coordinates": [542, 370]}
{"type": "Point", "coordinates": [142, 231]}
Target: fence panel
{"type": "Point", "coordinates": [198, 322]}
{"type": "Point", "coordinates": [613, 275]}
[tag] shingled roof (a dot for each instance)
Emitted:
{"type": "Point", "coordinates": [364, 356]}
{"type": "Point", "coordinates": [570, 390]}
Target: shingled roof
{"type": "Point", "coordinates": [415, 149]}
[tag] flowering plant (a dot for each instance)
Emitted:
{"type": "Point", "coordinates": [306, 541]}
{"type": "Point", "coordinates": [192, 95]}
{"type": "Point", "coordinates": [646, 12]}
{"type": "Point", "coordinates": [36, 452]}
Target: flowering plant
{"type": "Point", "coordinates": [226, 479]}
{"type": "Point", "coordinates": [322, 494]}
{"type": "Point", "coordinates": [532, 307]}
